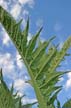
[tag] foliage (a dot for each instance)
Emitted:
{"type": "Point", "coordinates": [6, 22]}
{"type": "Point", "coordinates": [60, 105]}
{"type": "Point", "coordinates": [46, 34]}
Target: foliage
{"type": "Point", "coordinates": [8, 99]}
{"type": "Point", "coordinates": [40, 58]}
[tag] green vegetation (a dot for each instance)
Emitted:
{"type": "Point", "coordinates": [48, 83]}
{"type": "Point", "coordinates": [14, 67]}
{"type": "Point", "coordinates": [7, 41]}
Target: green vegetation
{"type": "Point", "coordinates": [8, 99]}
{"type": "Point", "coordinates": [41, 63]}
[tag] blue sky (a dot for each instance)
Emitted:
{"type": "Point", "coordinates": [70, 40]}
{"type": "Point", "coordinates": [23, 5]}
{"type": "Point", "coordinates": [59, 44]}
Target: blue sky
{"type": "Point", "coordinates": [55, 17]}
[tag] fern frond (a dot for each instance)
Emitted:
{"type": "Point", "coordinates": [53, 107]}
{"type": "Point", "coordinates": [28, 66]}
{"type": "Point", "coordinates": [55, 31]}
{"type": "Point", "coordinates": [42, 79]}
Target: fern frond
{"type": "Point", "coordinates": [41, 61]}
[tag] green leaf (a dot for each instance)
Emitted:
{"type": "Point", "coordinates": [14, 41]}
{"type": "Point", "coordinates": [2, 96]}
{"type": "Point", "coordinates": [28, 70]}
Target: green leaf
{"type": "Point", "coordinates": [32, 43]}
{"type": "Point", "coordinates": [54, 96]}
{"type": "Point", "coordinates": [24, 37]}
{"type": "Point", "coordinates": [58, 103]}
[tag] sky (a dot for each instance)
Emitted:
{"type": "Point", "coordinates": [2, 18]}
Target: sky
{"type": "Point", "coordinates": [55, 17]}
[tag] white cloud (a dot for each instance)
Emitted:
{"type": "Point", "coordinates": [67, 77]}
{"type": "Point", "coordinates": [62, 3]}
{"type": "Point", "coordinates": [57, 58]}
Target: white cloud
{"type": "Point", "coordinates": [19, 84]}
{"type": "Point", "coordinates": [24, 1]}
{"type": "Point", "coordinates": [68, 82]}
{"type": "Point", "coordinates": [5, 37]}
{"type": "Point", "coordinates": [69, 75]}
{"type": "Point", "coordinates": [29, 2]}
{"type": "Point", "coordinates": [3, 4]}
{"type": "Point", "coordinates": [12, 65]}
{"type": "Point", "coordinates": [27, 100]}
{"type": "Point", "coordinates": [6, 63]}
{"type": "Point", "coordinates": [18, 61]}
{"type": "Point", "coordinates": [16, 10]}
{"type": "Point", "coordinates": [6, 40]}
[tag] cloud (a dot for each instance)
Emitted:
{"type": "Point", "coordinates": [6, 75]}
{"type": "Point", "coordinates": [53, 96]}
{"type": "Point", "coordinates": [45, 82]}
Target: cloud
{"type": "Point", "coordinates": [6, 40]}
{"type": "Point", "coordinates": [68, 82]}
{"type": "Point", "coordinates": [27, 100]}
{"type": "Point", "coordinates": [29, 2]}
{"type": "Point", "coordinates": [8, 67]}
{"type": "Point", "coordinates": [7, 63]}
{"type": "Point", "coordinates": [69, 75]}
{"type": "Point", "coordinates": [19, 83]}
{"type": "Point", "coordinates": [15, 7]}
{"type": "Point", "coordinates": [4, 36]}
{"type": "Point", "coordinates": [16, 10]}
{"type": "Point", "coordinates": [3, 4]}
{"type": "Point", "coordinates": [10, 71]}
{"type": "Point", "coordinates": [18, 61]}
